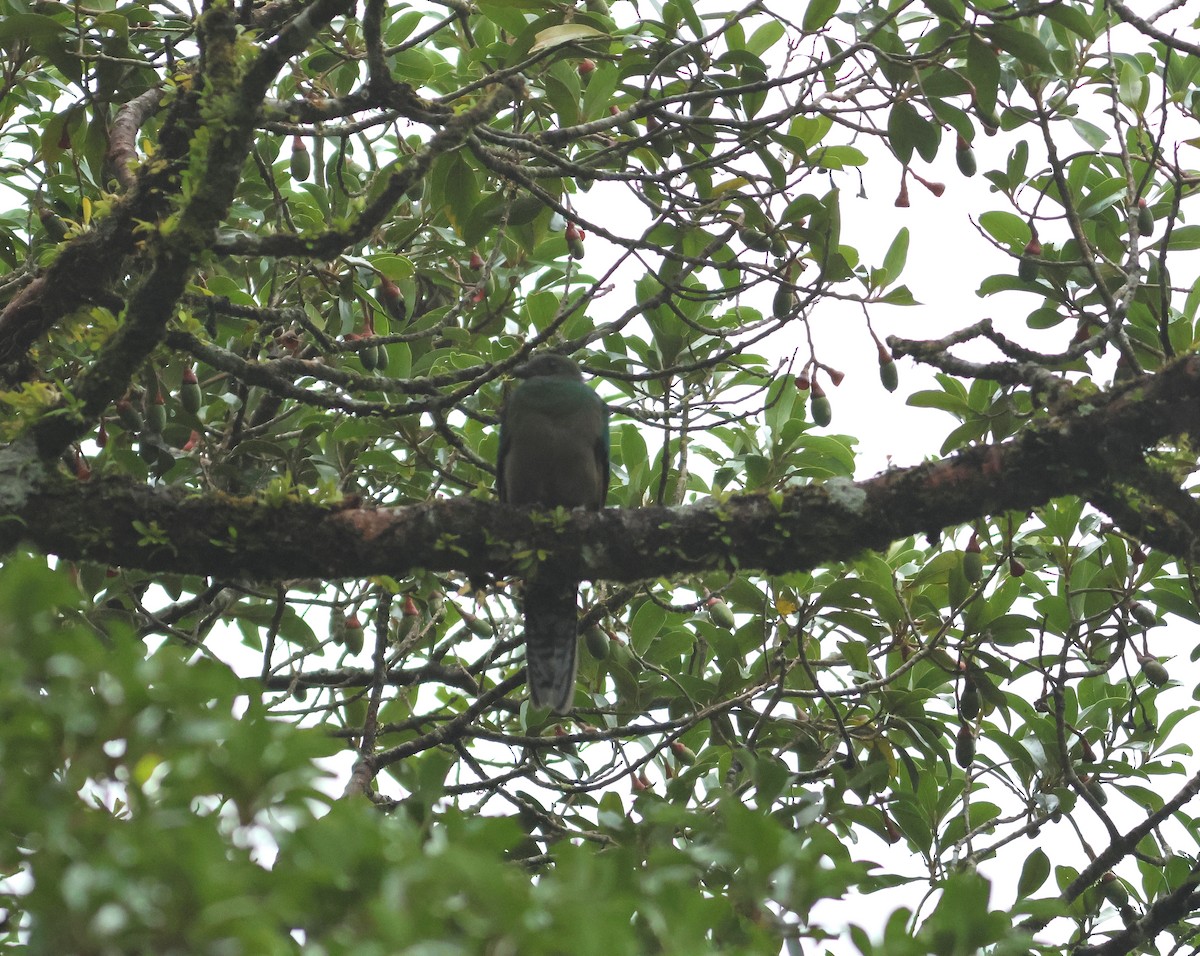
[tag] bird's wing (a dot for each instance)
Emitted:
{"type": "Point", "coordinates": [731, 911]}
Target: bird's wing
{"type": "Point", "coordinates": [502, 454]}
{"type": "Point", "coordinates": [602, 453]}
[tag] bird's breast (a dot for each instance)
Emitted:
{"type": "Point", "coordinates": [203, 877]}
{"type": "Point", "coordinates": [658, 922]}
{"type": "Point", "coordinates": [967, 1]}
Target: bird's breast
{"type": "Point", "coordinates": [559, 468]}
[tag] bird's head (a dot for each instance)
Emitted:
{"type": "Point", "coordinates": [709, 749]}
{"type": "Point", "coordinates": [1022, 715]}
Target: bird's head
{"type": "Point", "coordinates": [549, 365]}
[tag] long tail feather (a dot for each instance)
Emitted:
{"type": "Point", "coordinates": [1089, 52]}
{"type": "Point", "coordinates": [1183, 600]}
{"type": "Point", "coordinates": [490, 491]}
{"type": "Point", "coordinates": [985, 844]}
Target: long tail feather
{"type": "Point", "coordinates": [551, 631]}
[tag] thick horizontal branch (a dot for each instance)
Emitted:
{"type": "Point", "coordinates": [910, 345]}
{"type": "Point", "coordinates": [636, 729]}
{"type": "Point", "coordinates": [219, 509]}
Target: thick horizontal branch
{"type": "Point", "coordinates": [1090, 448]}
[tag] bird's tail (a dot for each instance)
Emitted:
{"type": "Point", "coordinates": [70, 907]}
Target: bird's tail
{"type": "Point", "coordinates": [551, 631]}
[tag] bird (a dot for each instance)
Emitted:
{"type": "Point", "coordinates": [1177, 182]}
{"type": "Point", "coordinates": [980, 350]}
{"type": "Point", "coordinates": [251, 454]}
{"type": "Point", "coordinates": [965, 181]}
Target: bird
{"type": "Point", "coordinates": [553, 452]}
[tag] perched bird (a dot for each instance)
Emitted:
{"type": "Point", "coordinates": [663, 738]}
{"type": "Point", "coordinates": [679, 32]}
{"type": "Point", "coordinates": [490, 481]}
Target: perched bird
{"type": "Point", "coordinates": [553, 451]}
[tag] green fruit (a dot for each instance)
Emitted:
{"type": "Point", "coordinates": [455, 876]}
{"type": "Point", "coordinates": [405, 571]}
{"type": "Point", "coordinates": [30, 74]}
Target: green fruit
{"type": "Point", "coordinates": [889, 375]}
{"type": "Point", "coordinates": [1142, 614]}
{"type": "Point", "coordinates": [972, 566]}
{"type": "Point", "coordinates": [156, 417]}
{"type": "Point", "coordinates": [720, 614]}
{"type": "Point", "coordinates": [968, 700]}
{"type": "Point", "coordinates": [1145, 219]}
{"type": "Point", "coordinates": [965, 157]}
{"type": "Point", "coordinates": [300, 165]}
{"type": "Point", "coordinates": [381, 360]}
{"type": "Point", "coordinates": [369, 357]}
{"type": "Point", "coordinates": [779, 246]}
{"type": "Point", "coordinates": [596, 641]}
{"type": "Point", "coordinates": [1114, 890]}
{"type": "Point", "coordinates": [55, 226]}
{"type": "Point", "coordinates": [407, 626]}
{"type": "Point", "coordinates": [1155, 672]}
{"type": "Point", "coordinates": [964, 747]}
{"type": "Point", "coordinates": [480, 627]}
{"type": "Point", "coordinates": [354, 636]}
{"type": "Point", "coordinates": [684, 754]}
{"type": "Point", "coordinates": [1029, 267]}
{"type": "Point", "coordinates": [822, 411]}
{"type": "Point", "coordinates": [129, 416]}
{"type": "Point", "coordinates": [392, 300]}
{"type": "Point", "coordinates": [189, 392]}
{"type": "Point", "coordinates": [599, 7]}
{"type": "Point", "coordinates": [1097, 792]}
{"type": "Point", "coordinates": [753, 239]}
{"type": "Point", "coordinates": [662, 145]}
{"type": "Point", "coordinates": [574, 241]}
{"type": "Point", "coordinates": [416, 190]}
{"type": "Point", "coordinates": [784, 302]}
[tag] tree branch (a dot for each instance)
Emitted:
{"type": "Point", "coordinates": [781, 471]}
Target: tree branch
{"type": "Point", "coordinates": [1150, 30]}
{"type": "Point", "coordinates": [1163, 912]}
{"type": "Point", "coordinates": [122, 149]}
{"type": "Point", "coordinates": [328, 244]}
{"type": "Point", "coordinates": [1096, 445]}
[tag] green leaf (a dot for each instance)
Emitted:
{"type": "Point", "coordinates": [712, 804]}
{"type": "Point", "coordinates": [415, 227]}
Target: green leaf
{"type": "Point", "coordinates": [1008, 282]}
{"type": "Point", "coordinates": [1034, 873]}
{"type": "Point", "coordinates": [838, 157]}
{"type": "Point", "coordinates": [983, 70]}
{"type": "Point", "coordinates": [1133, 88]}
{"type": "Point", "coordinates": [956, 405]}
{"type": "Point", "coordinates": [1026, 47]}
{"type": "Point", "coordinates": [765, 37]}
{"type": "Point", "coordinates": [946, 930]}
{"type": "Point", "coordinates": [1090, 133]}
{"type": "Point", "coordinates": [903, 122]}
{"type": "Point", "coordinates": [899, 295]}
{"type": "Point", "coordinates": [457, 183]}
{"type": "Point", "coordinates": [817, 14]}
{"type": "Point", "coordinates": [1185, 238]}
{"type": "Point", "coordinates": [1102, 196]}
{"type": "Point", "coordinates": [897, 255]}
{"type": "Point", "coordinates": [951, 10]}
{"type": "Point", "coordinates": [907, 130]}
{"type": "Point", "coordinates": [1073, 19]}
{"type": "Point", "coordinates": [29, 26]}
{"type": "Point", "coordinates": [1006, 228]}
{"type": "Point", "coordinates": [1045, 318]}
{"type": "Point", "coordinates": [565, 33]}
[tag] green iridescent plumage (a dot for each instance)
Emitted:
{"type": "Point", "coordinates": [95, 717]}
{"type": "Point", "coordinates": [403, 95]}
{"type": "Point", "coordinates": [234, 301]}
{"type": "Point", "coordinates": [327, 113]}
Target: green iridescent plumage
{"type": "Point", "coordinates": [553, 451]}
